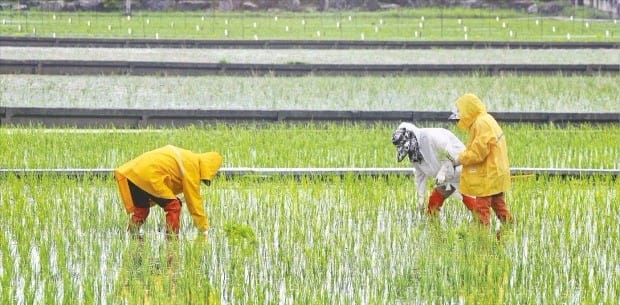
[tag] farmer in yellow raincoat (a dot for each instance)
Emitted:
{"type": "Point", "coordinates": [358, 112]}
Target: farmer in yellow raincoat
{"type": "Point", "coordinates": [158, 176]}
{"type": "Point", "coordinates": [486, 169]}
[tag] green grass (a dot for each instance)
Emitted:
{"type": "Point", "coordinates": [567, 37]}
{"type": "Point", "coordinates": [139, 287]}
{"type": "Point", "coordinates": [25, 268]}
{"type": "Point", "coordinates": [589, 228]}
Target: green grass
{"type": "Point", "coordinates": [403, 24]}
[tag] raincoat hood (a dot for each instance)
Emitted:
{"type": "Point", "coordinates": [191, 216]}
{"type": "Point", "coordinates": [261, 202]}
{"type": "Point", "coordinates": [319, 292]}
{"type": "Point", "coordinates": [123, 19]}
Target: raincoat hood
{"type": "Point", "coordinates": [469, 107]}
{"type": "Point", "coordinates": [210, 164]}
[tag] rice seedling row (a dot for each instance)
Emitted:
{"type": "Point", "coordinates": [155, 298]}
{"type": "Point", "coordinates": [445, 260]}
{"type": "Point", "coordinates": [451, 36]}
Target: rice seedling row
{"type": "Point", "coordinates": [596, 93]}
{"type": "Point", "coordinates": [365, 57]}
{"type": "Point", "coordinates": [297, 145]}
{"type": "Point", "coordinates": [284, 241]}
{"type": "Point", "coordinates": [406, 24]}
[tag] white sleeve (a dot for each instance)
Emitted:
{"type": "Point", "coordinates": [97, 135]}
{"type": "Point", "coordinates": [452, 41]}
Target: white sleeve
{"type": "Point", "coordinates": [420, 183]}
{"type": "Point", "coordinates": [446, 170]}
{"type": "Point", "coordinates": [451, 147]}
{"type": "Point", "coordinates": [453, 151]}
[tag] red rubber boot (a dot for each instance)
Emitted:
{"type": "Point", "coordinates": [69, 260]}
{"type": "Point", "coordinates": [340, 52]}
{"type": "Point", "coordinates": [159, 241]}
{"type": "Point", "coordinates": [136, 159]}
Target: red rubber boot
{"type": "Point", "coordinates": [435, 202]}
{"type": "Point", "coordinates": [173, 217]}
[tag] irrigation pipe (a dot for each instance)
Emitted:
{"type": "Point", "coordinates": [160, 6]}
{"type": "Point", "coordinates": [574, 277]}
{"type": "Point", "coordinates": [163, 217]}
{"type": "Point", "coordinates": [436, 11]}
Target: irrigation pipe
{"type": "Point", "coordinates": [250, 172]}
{"type": "Point", "coordinates": [291, 44]}
{"type": "Point", "coordinates": [140, 118]}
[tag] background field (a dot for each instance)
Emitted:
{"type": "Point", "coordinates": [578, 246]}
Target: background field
{"type": "Point", "coordinates": [406, 24]}
{"type": "Point", "coordinates": [597, 93]}
{"type": "Point", "coordinates": [307, 56]}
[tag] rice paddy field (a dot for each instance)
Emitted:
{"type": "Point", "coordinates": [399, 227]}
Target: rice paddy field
{"type": "Point", "coordinates": [594, 93]}
{"type": "Point", "coordinates": [312, 240]}
{"type": "Point", "coordinates": [450, 24]}
{"type": "Point", "coordinates": [335, 240]}
{"type": "Point", "coordinates": [309, 56]}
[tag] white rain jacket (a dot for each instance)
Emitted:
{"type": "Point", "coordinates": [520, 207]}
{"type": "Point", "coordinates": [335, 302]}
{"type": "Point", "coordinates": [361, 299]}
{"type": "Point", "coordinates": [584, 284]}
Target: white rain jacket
{"type": "Point", "coordinates": [436, 145]}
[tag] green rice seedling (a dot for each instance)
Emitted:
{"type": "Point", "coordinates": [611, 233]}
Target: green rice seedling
{"type": "Point", "coordinates": [296, 145]}
{"type": "Point", "coordinates": [335, 240]}
{"type": "Point", "coordinates": [306, 56]}
{"type": "Point", "coordinates": [240, 234]}
{"type": "Point", "coordinates": [597, 93]}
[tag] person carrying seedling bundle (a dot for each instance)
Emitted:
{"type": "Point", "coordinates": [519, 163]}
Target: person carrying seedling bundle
{"type": "Point", "coordinates": [157, 177]}
{"type": "Point", "coordinates": [428, 150]}
{"type": "Point", "coordinates": [486, 169]}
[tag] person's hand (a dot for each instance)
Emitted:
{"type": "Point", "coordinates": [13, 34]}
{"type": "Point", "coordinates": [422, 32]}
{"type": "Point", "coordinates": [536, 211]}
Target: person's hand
{"type": "Point", "coordinates": [204, 236]}
{"type": "Point", "coordinates": [440, 178]}
{"type": "Point", "coordinates": [449, 153]}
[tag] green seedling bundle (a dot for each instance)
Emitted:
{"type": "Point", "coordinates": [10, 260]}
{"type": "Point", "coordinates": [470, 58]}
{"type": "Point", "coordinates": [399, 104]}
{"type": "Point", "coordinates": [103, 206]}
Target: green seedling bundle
{"type": "Point", "coordinates": [337, 240]}
{"type": "Point", "coordinates": [405, 24]}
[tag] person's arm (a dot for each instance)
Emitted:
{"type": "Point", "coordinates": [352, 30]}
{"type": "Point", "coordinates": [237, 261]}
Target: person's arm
{"type": "Point", "coordinates": [448, 147]}
{"type": "Point", "coordinates": [191, 190]}
{"type": "Point", "coordinates": [446, 171]}
{"type": "Point", "coordinates": [479, 148]}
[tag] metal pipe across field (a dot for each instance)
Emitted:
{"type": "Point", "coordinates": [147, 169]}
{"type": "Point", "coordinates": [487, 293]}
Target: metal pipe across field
{"type": "Point", "coordinates": [139, 118]}
{"type": "Point", "coordinates": [291, 44]}
{"type": "Point", "coordinates": [249, 172]}
{"type": "Point", "coordinates": [117, 67]}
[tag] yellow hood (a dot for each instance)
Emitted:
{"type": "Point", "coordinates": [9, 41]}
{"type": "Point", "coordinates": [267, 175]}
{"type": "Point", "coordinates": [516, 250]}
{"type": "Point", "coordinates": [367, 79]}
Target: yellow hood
{"type": "Point", "coordinates": [210, 164]}
{"type": "Point", "coordinates": [470, 107]}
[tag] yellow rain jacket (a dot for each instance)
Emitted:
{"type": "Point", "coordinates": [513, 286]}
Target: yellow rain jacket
{"type": "Point", "coordinates": [486, 169]}
{"type": "Point", "coordinates": [168, 171]}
